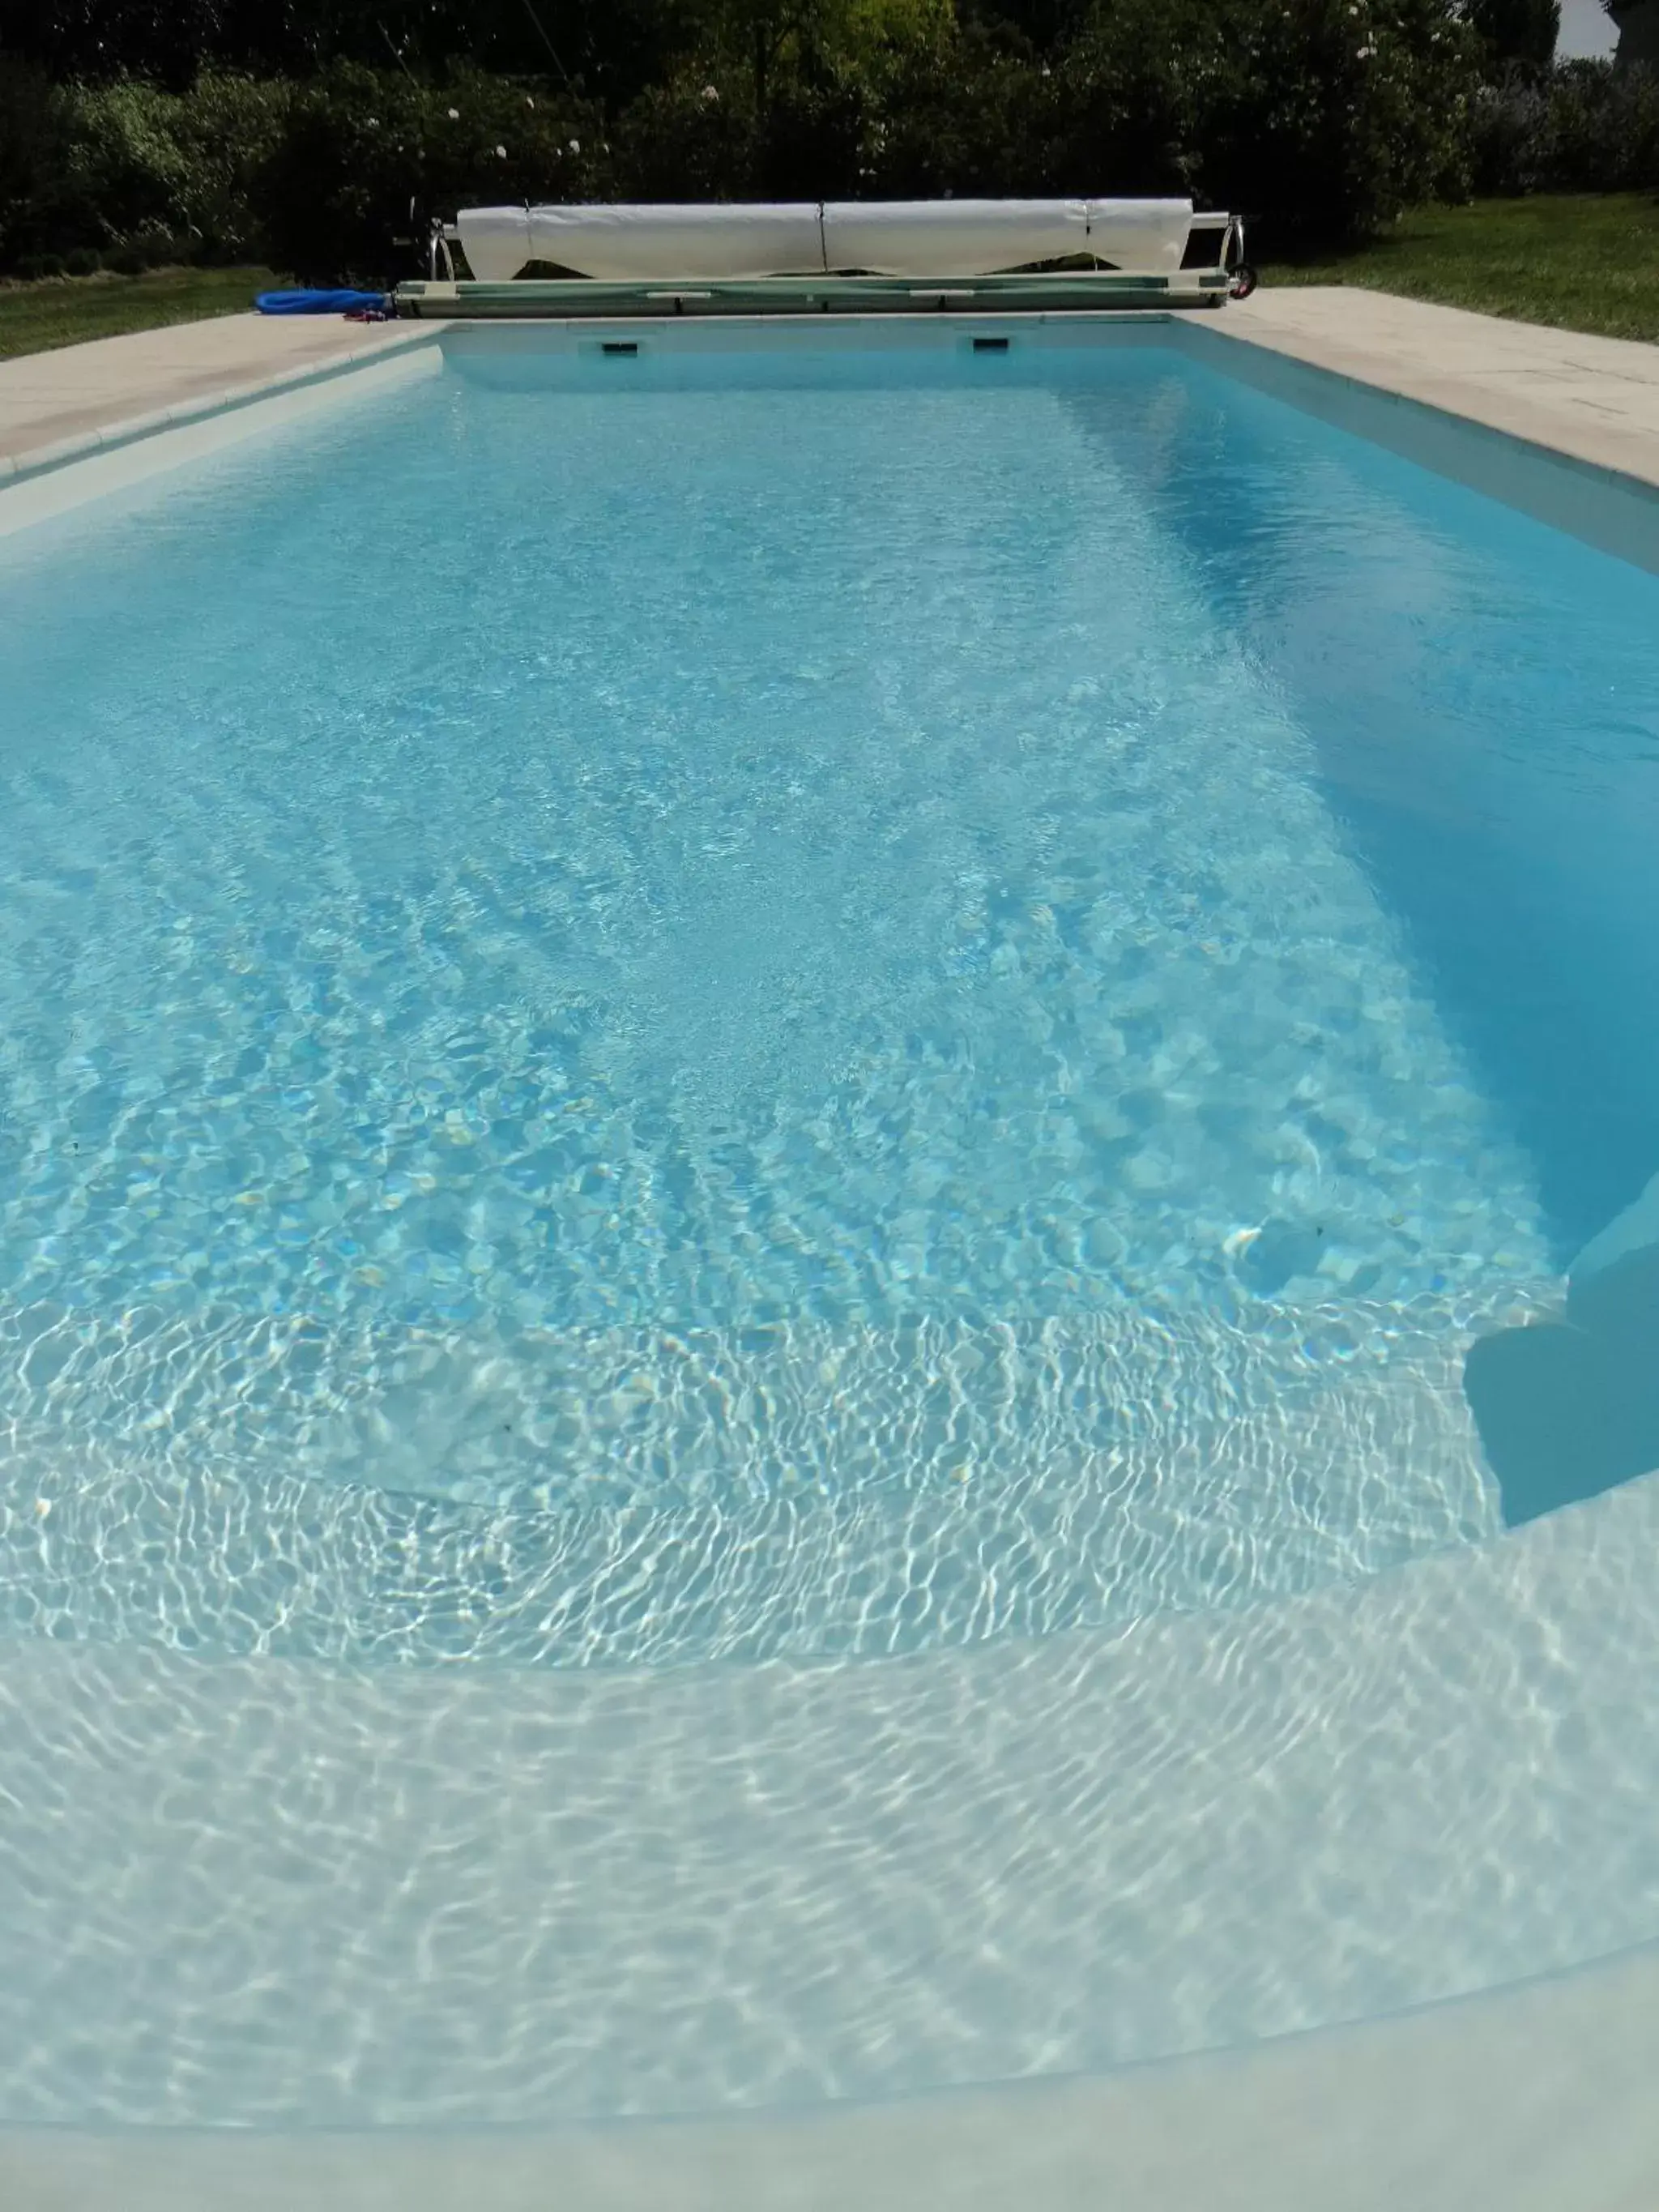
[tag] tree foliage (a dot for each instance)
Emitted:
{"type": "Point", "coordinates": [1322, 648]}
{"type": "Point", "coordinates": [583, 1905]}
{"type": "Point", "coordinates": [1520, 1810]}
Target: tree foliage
{"type": "Point", "coordinates": [1521, 33]}
{"type": "Point", "coordinates": [320, 133]}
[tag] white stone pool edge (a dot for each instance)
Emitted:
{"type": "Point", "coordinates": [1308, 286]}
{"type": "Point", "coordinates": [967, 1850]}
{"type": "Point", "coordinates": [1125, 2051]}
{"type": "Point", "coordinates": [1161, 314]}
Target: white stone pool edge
{"type": "Point", "coordinates": [1532, 2093]}
{"type": "Point", "coordinates": [1593, 399]}
{"type": "Point", "coordinates": [1535, 2098]}
{"type": "Point", "coordinates": [39, 481]}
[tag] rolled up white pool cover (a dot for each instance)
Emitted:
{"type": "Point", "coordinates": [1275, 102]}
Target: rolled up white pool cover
{"type": "Point", "coordinates": [972, 238]}
{"type": "Point", "coordinates": [898, 238]}
{"type": "Point", "coordinates": [629, 244]}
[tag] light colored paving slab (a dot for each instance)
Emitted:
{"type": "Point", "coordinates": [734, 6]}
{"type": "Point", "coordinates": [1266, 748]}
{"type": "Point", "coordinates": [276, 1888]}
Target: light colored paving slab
{"type": "Point", "coordinates": [1595, 399]}
{"type": "Point", "coordinates": [78, 393]}
{"type": "Point", "coordinates": [1534, 2099]}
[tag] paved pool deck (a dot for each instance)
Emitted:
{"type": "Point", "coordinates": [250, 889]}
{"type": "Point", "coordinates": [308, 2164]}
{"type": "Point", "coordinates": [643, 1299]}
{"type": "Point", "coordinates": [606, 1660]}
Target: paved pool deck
{"type": "Point", "coordinates": [54, 405]}
{"type": "Point", "coordinates": [1594, 399]}
{"type": "Point", "coordinates": [1535, 2099]}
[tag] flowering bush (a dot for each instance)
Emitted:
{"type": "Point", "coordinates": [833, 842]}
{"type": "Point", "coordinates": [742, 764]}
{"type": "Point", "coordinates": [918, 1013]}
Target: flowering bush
{"type": "Point", "coordinates": [1325, 116]}
{"type": "Point", "coordinates": [1321, 119]}
{"type": "Point", "coordinates": [1334, 116]}
{"type": "Point", "coordinates": [365, 157]}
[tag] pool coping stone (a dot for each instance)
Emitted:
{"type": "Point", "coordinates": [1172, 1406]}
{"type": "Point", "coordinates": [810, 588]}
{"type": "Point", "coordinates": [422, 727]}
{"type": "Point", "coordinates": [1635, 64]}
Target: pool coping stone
{"type": "Point", "coordinates": [184, 381]}
{"type": "Point", "coordinates": [1591, 400]}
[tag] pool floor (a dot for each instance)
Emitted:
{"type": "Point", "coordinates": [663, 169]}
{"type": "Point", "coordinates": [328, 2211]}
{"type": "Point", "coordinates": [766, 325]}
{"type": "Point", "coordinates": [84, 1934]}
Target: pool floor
{"type": "Point", "coordinates": [883, 1012]}
{"type": "Point", "coordinates": [798, 984]}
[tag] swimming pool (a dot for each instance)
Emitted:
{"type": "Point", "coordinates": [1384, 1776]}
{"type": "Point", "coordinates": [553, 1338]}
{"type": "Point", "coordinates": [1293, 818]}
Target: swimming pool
{"type": "Point", "coordinates": [888, 1009]}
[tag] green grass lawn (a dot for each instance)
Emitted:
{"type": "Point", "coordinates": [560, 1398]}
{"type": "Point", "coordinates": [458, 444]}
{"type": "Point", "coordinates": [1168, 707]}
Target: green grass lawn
{"type": "Point", "coordinates": [1583, 263]}
{"type": "Point", "coordinates": [62, 310]}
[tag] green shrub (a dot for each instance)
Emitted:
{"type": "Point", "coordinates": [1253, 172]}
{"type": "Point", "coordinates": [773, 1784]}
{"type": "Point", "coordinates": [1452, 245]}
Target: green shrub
{"type": "Point", "coordinates": [964, 117]}
{"type": "Point", "coordinates": [125, 170]}
{"type": "Point", "coordinates": [811, 139]}
{"type": "Point", "coordinates": [226, 130]}
{"type": "Point", "coordinates": [695, 139]}
{"type": "Point", "coordinates": [364, 157]}
{"type": "Point", "coordinates": [33, 154]}
{"type": "Point", "coordinates": [1323, 117]}
{"type": "Point", "coordinates": [125, 173]}
{"type": "Point", "coordinates": [1585, 126]}
{"type": "Point", "coordinates": [1327, 117]}
{"type": "Point", "coordinates": [702, 138]}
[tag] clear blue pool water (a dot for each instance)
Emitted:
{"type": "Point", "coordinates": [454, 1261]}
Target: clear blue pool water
{"type": "Point", "coordinates": [726, 1017]}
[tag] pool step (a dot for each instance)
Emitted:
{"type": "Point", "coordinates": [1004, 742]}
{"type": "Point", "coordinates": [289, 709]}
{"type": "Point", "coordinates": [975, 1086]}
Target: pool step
{"type": "Point", "coordinates": [642, 1496]}
{"type": "Point", "coordinates": [261, 1894]}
